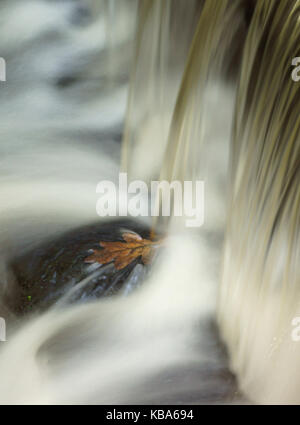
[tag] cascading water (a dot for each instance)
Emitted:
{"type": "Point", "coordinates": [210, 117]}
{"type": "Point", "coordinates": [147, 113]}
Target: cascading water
{"type": "Point", "coordinates": [210, 98]}
{"type": "Point", "coordinates": [259, 291]}
{"type": "Point", "coordinates": [260, 282]}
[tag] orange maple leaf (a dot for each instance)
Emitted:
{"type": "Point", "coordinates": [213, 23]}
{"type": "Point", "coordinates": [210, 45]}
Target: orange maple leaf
{"type": "Point", "coordinates": [123, 253]}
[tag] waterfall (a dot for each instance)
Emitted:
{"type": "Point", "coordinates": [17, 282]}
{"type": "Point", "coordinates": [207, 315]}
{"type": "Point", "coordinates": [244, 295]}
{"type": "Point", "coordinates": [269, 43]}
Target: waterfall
{"type": "Point", "coordinates": [259, 295]}
{"type": "Point", "coordinates": [167, 115]}
{"type": "Point", "coordinates": [211, 97]}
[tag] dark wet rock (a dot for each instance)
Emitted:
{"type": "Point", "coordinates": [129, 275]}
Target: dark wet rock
{"type": "Point", "coordinates": [47, 273]}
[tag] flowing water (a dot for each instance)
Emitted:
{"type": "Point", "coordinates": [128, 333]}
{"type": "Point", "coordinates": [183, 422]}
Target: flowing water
{"type": "Point", "coordinates": [260, 280]}
{"type": "Point", "coordinates": [210, 98]}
